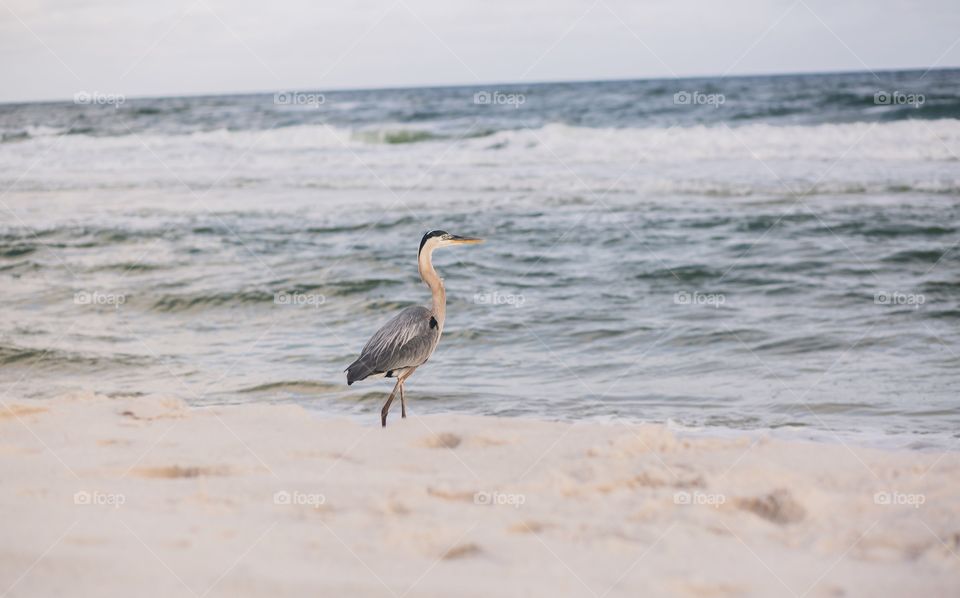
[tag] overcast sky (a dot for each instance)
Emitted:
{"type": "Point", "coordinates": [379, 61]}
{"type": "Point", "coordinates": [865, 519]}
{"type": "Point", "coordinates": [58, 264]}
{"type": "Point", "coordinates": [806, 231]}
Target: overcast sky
{"type": "Point", "coordinates": [51, 49]}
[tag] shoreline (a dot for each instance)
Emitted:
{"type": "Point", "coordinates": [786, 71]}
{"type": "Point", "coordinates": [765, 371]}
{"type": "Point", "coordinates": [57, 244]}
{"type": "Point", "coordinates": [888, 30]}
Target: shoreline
{"type": "Point", "coordinates": [147, 496]}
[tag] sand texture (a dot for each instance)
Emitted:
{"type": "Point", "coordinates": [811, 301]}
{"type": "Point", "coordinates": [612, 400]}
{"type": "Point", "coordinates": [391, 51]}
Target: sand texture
{"type": "Point", "coordinates": [147, 497]}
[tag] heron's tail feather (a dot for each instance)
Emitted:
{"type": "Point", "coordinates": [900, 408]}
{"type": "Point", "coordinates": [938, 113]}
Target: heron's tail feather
{"type": "Point", "coordinates": [358, 370]}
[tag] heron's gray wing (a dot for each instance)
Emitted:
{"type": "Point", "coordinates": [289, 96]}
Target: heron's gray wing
{"type": "Point", "coordinates": [407, 340]}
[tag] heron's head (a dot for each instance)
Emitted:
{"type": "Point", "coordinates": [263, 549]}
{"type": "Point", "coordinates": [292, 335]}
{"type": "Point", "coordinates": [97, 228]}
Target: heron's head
{"type": "Point", "coordinates": [441, 238]}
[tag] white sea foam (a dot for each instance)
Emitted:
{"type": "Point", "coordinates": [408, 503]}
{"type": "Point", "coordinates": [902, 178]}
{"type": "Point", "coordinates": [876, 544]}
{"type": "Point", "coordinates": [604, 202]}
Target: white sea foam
{"type": "Point", "coordinates": [712, 160]}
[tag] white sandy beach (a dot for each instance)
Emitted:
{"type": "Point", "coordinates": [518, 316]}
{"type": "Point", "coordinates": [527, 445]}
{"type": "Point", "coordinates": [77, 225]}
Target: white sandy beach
{"type": "Point", "coordinates": [147, 497]}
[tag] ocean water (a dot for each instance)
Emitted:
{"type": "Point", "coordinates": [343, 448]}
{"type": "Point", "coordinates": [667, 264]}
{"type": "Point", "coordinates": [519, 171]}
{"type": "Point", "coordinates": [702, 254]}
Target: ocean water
{"type": "Point", "coordinates": [763, 253]}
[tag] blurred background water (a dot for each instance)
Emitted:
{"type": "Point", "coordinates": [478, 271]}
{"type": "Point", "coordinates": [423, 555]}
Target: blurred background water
{"type": "Point", "coordinates": [740, 253]}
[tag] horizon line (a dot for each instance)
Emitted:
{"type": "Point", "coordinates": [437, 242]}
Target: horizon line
{"type": "Point", "coordinates": [502, 83]}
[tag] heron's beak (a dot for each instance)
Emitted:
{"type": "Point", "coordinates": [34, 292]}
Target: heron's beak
{"type": "Point", "coordinates": [458, 240]}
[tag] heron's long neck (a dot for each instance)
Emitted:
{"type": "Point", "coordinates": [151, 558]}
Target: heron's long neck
{"type": "Point", "coordinates": [429, 276]}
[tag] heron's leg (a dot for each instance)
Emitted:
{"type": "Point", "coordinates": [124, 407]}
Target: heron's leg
{"type": "Point", "coordinates": [386, 406]}
{"type": "Point", "coordinates": [403, 400]}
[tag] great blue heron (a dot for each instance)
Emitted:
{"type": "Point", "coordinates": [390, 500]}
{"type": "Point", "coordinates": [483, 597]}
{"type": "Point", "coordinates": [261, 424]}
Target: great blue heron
{"type": "Point", "coordinates": [408, 340]}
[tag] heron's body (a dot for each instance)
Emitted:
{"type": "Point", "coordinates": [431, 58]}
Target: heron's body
{"type": "Point", "coordinates": [404, 343]}
{"type": "Point", "coordinates": [408, 340]}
